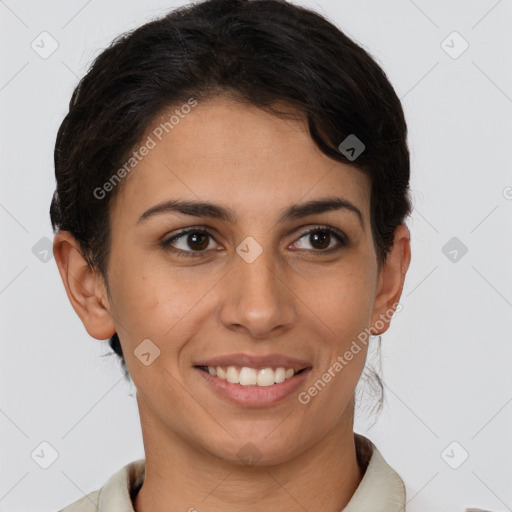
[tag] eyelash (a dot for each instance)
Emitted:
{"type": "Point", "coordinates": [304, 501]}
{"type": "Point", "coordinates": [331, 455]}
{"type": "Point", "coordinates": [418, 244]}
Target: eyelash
{"type": "Point", "coordinates": [166, 244]}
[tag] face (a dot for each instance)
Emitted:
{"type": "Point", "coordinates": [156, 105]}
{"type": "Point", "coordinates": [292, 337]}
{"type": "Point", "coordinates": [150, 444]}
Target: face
{"type": "Point", "coordinates": [270, 264]}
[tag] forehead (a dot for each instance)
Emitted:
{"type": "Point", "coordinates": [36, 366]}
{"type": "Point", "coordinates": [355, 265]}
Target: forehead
{"type": "Point", "coordinates": [238, 155]}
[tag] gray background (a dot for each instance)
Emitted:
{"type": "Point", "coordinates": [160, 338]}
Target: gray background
{"type": "Point", "coordinates": [446, 359]}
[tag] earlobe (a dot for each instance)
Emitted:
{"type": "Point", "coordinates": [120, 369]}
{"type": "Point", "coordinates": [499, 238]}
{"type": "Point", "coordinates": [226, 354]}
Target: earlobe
{"type": "Point", "coordinates": [391, 280]}
{"type": "Point", "coordinates": [84, 287]}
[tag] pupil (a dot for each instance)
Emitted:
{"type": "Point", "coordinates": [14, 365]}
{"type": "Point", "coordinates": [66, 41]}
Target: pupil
{"type": "Point", "coordinates": [194, 238]}
{"type": "Point", "coordinates": [320, 237]}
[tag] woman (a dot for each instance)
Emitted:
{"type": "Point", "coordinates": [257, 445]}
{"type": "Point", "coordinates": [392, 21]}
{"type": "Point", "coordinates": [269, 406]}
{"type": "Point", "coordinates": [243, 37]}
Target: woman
{"type": "Point", "coordinates": [232, 185]}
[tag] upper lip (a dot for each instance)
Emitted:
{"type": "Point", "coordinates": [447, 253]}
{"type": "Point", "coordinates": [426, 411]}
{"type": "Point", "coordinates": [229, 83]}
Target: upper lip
{"type": "Point", "coordinates": [251, 361]}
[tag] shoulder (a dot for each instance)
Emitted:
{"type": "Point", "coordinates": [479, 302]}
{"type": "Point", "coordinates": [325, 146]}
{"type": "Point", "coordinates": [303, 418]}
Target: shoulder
{"type": "Point", "coordinates": [381, 489]}
{"type": "Point", "coordinates": [116, 494]}
{"type": "Point", "coordinates": [88, 503]}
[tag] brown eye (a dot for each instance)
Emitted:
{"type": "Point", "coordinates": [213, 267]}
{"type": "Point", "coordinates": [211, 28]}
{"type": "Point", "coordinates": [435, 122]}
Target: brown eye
{"type": "Point", "coordinates": [197, 241]}
{"type": "Point", "coordinates": [191, 242]}
{"type": "Point", "coordinates": [321, 239]}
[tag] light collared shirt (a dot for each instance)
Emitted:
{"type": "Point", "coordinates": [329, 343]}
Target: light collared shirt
{"type": "Point", "coordinates": [380, 490]}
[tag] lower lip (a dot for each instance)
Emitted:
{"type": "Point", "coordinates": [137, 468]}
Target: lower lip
{"type": "Point", "coordinates": [255, 396]}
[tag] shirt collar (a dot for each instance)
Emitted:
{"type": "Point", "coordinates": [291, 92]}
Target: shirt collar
{"type": "Point", "coordinates": [380, 490]}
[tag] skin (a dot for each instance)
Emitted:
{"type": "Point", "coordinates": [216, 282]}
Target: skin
{"type": "Point", "coordinates": [297, 298]}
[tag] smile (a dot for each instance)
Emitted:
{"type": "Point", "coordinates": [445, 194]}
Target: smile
{"type": "Point", "coordinates": [246, 376]}
{"type": "Point", "coordinates": [253, 387]}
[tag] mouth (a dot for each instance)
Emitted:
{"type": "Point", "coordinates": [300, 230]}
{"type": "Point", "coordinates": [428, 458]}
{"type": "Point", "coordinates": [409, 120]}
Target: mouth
{"type": "Point", "coordinates": [253, 380]}
{"type": "Point", "coordinates": [248, 376]}
{"type": "Point", "coordinates": [251, 387]}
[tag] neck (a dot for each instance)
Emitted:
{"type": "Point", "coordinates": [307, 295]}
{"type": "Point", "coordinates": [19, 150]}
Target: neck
{"type": "Point", "coordinates": [180, 478]}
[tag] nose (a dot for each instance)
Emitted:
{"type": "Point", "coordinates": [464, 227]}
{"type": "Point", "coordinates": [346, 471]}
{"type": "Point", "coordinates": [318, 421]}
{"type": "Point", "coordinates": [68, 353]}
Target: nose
{"type": "Point", "coordinates": [257, 298]}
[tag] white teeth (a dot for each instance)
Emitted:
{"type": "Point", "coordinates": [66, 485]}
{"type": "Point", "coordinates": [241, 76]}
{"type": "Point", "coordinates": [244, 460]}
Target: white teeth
{"type": "Point", "coordinates": [280, 375]}
{"type": "Point", "coordinates": [248, 376]}
{"type": "Point", "coordinates": [232, 375]}
{"type": "Point", "coordinates": [265, 377]}
{"type": "Point", "coordinates": [251, 376]}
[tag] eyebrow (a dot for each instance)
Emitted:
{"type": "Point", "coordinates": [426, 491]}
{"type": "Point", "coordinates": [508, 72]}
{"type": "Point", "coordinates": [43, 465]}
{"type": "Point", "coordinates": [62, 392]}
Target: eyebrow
{"type": "Point", "coordinates": [215, 211]}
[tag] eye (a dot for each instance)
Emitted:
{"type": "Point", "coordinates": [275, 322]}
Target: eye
{"type": "Point", "coordinates": [190, 242]}
{"type": "Point", "coordinates": [195, 242]}
{"type": "Point", "coordinates": [320, 238]}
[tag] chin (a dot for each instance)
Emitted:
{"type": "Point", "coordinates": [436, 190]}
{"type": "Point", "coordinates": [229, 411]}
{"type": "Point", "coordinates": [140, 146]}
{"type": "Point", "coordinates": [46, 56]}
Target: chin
{"type": "Point", "coordinates": [251, 450]}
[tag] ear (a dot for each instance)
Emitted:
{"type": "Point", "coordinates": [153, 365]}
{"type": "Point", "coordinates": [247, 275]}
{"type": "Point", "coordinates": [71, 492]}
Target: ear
{"type": "Point", "coordinates": [391, 280]}
{"type": "Point", "coordinates": [84, 286]}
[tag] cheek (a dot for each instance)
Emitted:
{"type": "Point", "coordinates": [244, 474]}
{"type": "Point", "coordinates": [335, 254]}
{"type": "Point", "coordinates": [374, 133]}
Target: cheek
{"type": "Point", "coordinates": [344, 311]}
{"type": "Point", "coordinates": [143, 303]}
{"type": "Point", "coordinates": [153, 301]}
{"type": "Point", "coordinates": [343, 301]}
